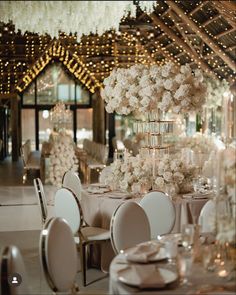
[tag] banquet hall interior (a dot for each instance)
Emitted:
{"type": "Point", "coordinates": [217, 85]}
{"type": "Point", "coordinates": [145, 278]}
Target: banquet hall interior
{"type": "Point", "coordinates": [117, 147]}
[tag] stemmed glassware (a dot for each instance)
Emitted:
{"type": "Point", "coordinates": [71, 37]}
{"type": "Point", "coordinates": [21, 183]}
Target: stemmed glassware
{"type": "Point", "coordinates": [188, 231]}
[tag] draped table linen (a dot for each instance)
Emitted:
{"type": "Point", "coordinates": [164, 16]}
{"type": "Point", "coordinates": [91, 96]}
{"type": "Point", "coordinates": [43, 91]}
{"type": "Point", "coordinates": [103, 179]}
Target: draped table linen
{"type": "Point", "coordinates": [98, 210]}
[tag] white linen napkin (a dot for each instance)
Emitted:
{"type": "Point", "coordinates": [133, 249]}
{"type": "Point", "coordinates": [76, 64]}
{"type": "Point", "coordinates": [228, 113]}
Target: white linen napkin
{"type": "Point", "coordinates": [142, 252]}
{"type": "Point", "coordinates": [148, 277]}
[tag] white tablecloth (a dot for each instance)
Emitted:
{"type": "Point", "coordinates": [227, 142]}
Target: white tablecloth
{"type": "Point", "coordinates": [98, 210]}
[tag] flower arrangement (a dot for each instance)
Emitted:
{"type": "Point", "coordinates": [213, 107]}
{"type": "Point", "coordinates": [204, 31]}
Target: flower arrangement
{"type": "Point", "coordinates": [129, 175]}
{"type": "Point", "coordinates": [62, 158]}
{"type": "Point", "coordinates": [134, 173]}
{"type": "Point", "coordinates": [142, 88]}
{"type": "Point", "coordinates": [215, 92]}
{"type": "Point", "coordinates": [229, 165]}
{"type": "Point", "coordinates": [198, 143]}
{"type": "Point", "coordinates": [174, 172]}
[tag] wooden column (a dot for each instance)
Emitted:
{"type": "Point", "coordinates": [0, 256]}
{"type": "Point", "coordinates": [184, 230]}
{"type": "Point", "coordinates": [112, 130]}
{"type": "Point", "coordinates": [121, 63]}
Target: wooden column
{"type": "Point", "coordinates": [98, 118]}
{"type": "Point", "coordinates": [210, 42]}
{"type": "Point", "coordinates": [15, 129]}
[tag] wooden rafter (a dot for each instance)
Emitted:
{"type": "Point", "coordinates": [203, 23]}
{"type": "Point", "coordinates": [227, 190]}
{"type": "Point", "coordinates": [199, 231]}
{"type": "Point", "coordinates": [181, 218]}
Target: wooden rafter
{"type": "Point", "coordinates": [181, 44]}
{"type": "Point", "coordinates": [198, 7]}
{"type": "Point", "coordinates": [215, 47]}
{"type": "Point", "coordinates": [211, 19]}
{"type": "Point", "coordinates": [232, 30]}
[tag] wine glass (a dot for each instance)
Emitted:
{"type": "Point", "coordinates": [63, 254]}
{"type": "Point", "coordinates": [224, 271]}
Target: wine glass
{"type": "Point", "coordinates": [185, 267]}
{"type": "Point", "coordinates": [187, 236]}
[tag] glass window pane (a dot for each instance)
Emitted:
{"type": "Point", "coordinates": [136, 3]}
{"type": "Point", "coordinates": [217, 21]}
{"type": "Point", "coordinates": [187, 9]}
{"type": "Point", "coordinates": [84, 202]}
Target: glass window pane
{"type": "Point", "coordinates": [54, 85]}
{"type": "Point", "coordinates": [45, 127]}
{"type": "Point", "coordinates": [29, 95]}
{"type": "Point", "coordinates": [28, 126]}
{"type": "Point", "coordinates": [82, 95]}
{"type": "Point", "coordinates": [84, 125]}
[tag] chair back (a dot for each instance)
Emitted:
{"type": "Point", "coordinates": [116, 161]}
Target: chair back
{"type": "Point", "coordinates": [206, 217]}
{"type": "Point", "coordinates": [72, 181]}
{"type": "Point", "coordinates": [39, 190]}
{"type": "Point", "coordinates": [104, 174]}
{"type": "Point", "coordinates": [58, 255]}
{"type": "Point", "coordinates": [67, 206]}
{"type": "Point", "coordinates": [160, 211]}
{"type": "Point", "coordinates": [11, 263]}
{"type": "Point", "coordinates": [129, 226]}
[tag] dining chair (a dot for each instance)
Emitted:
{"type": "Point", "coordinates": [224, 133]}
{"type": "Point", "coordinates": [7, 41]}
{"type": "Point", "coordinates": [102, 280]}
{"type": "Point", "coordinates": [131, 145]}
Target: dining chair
{"type": "Point", "coordinates": [206, 217]}
{"type": "Point", "coordinates": [129, 226]}
{"type": "Point", "coordinates": [72, 181]}
{"type": "Point", "coordinates": [41, 199]}
{"type": "Point", "coordinates": [68, 207]}
{"type": "Point", "coordinates": [160, 211]}
{"type": "Point", "coordinates": [58, 256]}
{"type": "Point", "coordinates": [12, 272]}
{"type": "Point", "coordinates": [104, 174]}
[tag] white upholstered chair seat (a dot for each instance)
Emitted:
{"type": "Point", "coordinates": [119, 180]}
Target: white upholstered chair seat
{"type": "Point", "coordinates": [58, 255]}
{"type": "Point", "coordinates": [91, 233]}
{"type": "Point", "coordinates": [160, 211]}
{"type": "Point", "coordinates": [129, 226]}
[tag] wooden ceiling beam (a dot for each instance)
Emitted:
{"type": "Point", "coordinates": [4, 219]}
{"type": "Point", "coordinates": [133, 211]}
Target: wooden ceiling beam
{"type": "Point", "coordinates": [198, 7]}
{"type": "Point", "coordinates": [215, 47]}
{"type": "Point", "coordinates": [181, 43]}
{"type": "Point", "coordinates": [210, 20]}
{"type": "Point", "coordinates": [232, 30]}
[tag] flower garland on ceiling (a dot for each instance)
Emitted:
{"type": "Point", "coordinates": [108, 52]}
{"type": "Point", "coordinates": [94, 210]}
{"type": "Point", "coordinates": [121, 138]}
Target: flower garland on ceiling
{"type": "Point", "coordinates": [81, 17]}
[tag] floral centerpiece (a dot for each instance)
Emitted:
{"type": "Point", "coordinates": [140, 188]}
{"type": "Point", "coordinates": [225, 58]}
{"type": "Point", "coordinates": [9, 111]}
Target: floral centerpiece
{"type": "Point", "coordinates": [62, 158]}
{"type": "Point", "coordinates": [176, 173]}
{"type": "Point", "coordinates": [136, 173]}
{"type": "Point", "coordinates": [141, 88]}
{"type": "Point", "coordinates": [131, 174]}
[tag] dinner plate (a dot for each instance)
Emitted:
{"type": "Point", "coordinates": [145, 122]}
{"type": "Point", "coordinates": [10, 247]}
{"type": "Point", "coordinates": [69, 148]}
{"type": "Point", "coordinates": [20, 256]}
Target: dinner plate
{"type": "Point", "coordinates": [97, 190]}
{"type": "Point", "coordinates": [145, 253]}
{"type": "Point", "coordinates": [146, 276]}
{"type": "Point", "coordinates": [98, 185]}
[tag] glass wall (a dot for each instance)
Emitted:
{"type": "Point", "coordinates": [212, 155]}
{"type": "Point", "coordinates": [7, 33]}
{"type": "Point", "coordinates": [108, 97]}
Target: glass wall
{"type": "Point", "coordinates": [55, 85]}
{"type": "Point", "coordinates": [28, 126]}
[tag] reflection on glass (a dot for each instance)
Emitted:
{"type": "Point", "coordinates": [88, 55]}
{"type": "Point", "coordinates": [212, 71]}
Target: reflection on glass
{"type": "Point", "coordinates": [28, 126]}
{"type": "Point", "coordinates": [45, 127]}
{"type": "Point", "coordinates": [82, 95]}
{"type": "Point", "coordinates": [84, 125]}
{"type": "Point", "coordinates": [55, 85]}
{"type": "Point", "coordinates": [29, 95]}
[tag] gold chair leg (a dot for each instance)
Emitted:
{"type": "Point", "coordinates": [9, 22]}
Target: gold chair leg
{"type": "Point", "coordinates": [83, 262]}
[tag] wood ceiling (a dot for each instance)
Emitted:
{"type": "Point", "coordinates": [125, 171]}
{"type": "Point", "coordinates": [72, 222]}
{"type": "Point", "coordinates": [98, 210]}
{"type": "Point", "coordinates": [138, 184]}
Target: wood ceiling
{"type": "Point", "coordinates": [201, 33]}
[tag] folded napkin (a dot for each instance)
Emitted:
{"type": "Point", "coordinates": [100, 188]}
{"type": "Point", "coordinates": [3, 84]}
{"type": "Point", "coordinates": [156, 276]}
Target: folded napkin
{"type": "Point", "coordinates": [147, 276]}
{"type": "Point", "coordinates": [142, 252]}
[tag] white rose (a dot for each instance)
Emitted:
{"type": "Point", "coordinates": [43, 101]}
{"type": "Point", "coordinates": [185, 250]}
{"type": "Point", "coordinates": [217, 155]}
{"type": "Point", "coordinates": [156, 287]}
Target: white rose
{"type": "Point", "coordinates": [168, 176]}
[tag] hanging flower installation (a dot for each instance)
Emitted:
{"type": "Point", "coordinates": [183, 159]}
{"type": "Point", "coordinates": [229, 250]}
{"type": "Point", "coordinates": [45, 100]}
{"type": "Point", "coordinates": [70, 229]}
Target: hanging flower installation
{"type": "Point", "coordinates": [81, 17]}
{"type": "Point", "coordinates": [143, 89]}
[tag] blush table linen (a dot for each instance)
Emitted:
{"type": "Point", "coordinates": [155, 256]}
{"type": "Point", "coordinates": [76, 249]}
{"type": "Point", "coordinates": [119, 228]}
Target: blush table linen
{"type": "Point", "coordinates": [98, 210]}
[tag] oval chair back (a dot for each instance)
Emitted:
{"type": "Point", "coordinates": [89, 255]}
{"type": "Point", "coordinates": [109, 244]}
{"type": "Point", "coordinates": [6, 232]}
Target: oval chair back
{"type": "Point", "coordinates": [58, 255]}
{"type": "Point", "coordinates": [39, 190]}
{"type": "Point", "coordinates": [206, 217]}
{"type": "Point", "coordinates": [129, 226]}
{"type": "Point", "coordinates": [160, 211]}
{"type": "Point", "coordinates": [11, 262]}
{"type": "Point", "coordinates": [72, 181]}
{"type": "Point", "coordinates": [67, 206]}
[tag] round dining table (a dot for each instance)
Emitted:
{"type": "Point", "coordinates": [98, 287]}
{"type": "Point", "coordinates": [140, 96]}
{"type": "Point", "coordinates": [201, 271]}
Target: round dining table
{"type": "Point", "coordinates": [98, 209]}
{"type": "Point", "coordinates": [200, 281]}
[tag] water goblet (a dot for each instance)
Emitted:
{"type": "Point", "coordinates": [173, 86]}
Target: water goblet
{"type": "Point", "coordinates": [188, 235]}
{"type": "Point", "coordinates": [171, 247]}
{"type": "Point", "coordinates": [185, 267]}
